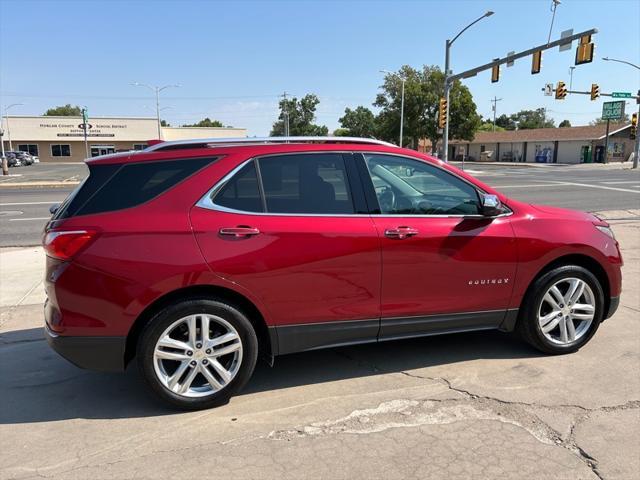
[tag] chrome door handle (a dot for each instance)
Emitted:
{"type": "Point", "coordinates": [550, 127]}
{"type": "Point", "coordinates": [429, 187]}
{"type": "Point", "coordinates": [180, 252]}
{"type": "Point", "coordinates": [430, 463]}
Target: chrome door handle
{"type": "Point", "coordinates": [401, 232]}
{"type": "Point", "coordinates": [239, 232]}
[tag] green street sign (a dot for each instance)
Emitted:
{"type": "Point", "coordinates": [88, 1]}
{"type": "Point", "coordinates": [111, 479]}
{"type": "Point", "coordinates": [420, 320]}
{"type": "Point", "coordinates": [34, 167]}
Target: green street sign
{"type": "Point", "coordinates": [85, 115]}
{"type": "Point", "coordinates": [613, 110]}
{"type": "Point", "coordinates": [621, 94]}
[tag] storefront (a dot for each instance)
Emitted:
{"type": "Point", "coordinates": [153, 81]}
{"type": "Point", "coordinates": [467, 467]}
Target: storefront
{"type": "Point", "coordinates": [61, 139]}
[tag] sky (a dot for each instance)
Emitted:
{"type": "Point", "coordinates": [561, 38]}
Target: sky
{"type": "Point", "coordinates": [233, 59]}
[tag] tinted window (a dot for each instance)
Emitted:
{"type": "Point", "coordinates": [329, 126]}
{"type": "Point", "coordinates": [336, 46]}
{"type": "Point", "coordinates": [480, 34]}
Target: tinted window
{"type": "Point", "coordinates": [241, 192]}
{"type": "Point", "coordinates": [306, 183]}
{"type": "Point", "coordinates": [114, 187]}
{"type": "Point", "coordinates": [404, 186]}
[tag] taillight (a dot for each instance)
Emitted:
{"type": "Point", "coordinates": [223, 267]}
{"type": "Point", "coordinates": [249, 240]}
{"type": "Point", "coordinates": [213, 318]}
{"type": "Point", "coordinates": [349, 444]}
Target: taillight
{"type": "Point", "coordinates": [65, 244]}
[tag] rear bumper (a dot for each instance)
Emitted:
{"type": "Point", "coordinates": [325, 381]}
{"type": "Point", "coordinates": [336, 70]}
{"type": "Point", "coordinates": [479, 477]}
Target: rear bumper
{"type": "Point", "coordinates": [104, 354]}
{"type": "Point", "coordinates": [614, 303]}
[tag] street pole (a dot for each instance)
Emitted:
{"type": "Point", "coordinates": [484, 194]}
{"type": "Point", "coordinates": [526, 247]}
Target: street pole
{"type": "Point", "coordinates": [447, 87]}
{"type": "Point", "coordinates": [285, 114]}
{"type": "Point", "coordinates": [606, 143]}
{"type": "Point", "coordinates": [448, 81]}
{"type": "Point", "coordinates": [495, 107]}
{"type": "Point", "coordinates": [637, 149]}
{"type": "Point", "coordinates": [571, 69]}
{"type": "Point", "coordinates": [85, 126]}
{"type": "Point", "coordinates": [402, 114]}
{"type": "Point", "coordinates": [157, 91]}
{"type": "Point", "coordinates": [3, 158]}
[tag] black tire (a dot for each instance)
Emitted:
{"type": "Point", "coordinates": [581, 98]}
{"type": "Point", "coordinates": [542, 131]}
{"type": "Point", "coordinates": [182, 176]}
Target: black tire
{"type": "Point", "coordinates": [163, 319]}
{"type": "Point", "coordinates": [528, 325]}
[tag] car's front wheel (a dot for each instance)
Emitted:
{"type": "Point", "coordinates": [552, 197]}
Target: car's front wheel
{"type": "Point", "coordinates": [197, 353]}
{"type": "Point", "coordinates": [562, 310]}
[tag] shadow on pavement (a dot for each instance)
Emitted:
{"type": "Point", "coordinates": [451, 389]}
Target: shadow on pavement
{"type": "Point", "coordinates": [40, 386]}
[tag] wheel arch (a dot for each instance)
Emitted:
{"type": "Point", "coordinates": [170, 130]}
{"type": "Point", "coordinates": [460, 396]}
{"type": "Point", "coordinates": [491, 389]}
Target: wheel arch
{"type": "Point", "coordinates": [581, 260]}
{"type": "Point", "coordinates": [266, 342]}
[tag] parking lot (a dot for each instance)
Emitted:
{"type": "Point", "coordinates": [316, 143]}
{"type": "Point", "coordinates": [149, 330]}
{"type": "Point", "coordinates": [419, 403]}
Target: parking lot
{"type": "Point", "coordinates": [477, 405]}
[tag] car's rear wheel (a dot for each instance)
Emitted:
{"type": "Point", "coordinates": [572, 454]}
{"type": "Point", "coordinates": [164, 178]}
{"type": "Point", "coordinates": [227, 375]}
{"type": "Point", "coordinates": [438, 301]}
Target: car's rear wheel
{"type": "Point", "coordinates": [197, 353]}
{"type": "Point", "coordinates": [562, 310]}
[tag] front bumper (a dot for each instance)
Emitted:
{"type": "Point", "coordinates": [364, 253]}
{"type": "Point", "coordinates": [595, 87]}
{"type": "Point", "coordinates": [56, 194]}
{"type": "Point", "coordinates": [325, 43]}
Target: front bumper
{"type": "Point", "coordinates": [104, 354]}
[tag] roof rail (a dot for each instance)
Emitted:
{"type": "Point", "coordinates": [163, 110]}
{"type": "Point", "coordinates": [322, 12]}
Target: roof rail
{"type": "Point", "coordinates": [210, 142]}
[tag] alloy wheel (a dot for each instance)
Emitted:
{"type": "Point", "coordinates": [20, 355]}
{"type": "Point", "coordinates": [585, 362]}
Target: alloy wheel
{"type": "Point", "coordinates": [566, 311]}
{"type": "Point", "coordinates": [197, 355]}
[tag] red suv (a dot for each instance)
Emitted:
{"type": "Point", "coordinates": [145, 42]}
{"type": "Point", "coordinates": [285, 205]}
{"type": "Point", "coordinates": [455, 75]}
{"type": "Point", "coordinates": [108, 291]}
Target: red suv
{"type": "Point", "coordinates": [195, 257]}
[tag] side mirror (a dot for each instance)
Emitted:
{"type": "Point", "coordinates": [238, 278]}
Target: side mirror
{"type": "Point", "coordinates": [491, 206]}
{"type": "Point", "coordinates": [54, 208]}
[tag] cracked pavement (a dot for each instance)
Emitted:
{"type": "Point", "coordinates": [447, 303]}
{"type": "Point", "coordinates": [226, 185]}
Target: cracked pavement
{"type": "Point", "coordinates": [477, 405]}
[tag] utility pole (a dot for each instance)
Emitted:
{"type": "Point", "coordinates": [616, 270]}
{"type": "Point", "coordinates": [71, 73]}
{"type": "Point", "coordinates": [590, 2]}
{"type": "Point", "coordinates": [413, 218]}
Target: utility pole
{"type": "Point", "coordinates": [85, 127]}
{"type": "Point", "coordinates": [571, 69]}
{"type": "Point", "coordinates": [3, 158]}
{"type": "Point", "coordinates": [6, 119]}
{"type": "Point", "coordinates": [495, 100]}
{"type": "Point", "coordinates": [285, 114]}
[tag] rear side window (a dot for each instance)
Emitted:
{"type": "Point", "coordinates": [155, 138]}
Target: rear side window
{"type": "Point", "coordinates": [114, 187]}
{"type": "Point", "coordinates": [306, 183]}
{"type": "Point", "coordinates": [242, 192]}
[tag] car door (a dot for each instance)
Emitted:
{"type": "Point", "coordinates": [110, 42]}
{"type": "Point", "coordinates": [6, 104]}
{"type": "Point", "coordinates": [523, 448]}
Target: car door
{"type": "Point", "coordinates": [445, 267]}
{"type": "Point", "coordinates": [293, 230]}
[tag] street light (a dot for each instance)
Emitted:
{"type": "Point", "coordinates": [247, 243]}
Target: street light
{"type": "Point", "coordinates": [402, 79]}
{"type": "Point", "coordinates": [447, 84]}
{"type": "Point", "coordinates": [157, 91]}
{"type": "Point", "coordinates": [6, 119]}
{"type": "Point", "coordinates": [636, 152]}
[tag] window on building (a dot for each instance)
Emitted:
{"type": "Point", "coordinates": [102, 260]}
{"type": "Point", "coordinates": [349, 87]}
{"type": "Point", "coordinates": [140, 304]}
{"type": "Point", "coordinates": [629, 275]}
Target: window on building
{"type": "Point", "coordinates": [306, 183]}
{"type": "Point", "coordinates": [31, 148]}
{"type": "Point", "coordinates": [482, 148]}
{"type": "Point", "coordinates": [61, 150]}
{"type": "Point", "coordinates": [139, 146]}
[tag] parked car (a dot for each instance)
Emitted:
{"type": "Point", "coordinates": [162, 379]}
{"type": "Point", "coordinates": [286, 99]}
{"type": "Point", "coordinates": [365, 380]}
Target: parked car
{"type": "Point", "coordinates": [23, 157]}
{"type": "Point", "coordinates": [13, 160]}
{"type": "Point", "coordinates": [196, 257]}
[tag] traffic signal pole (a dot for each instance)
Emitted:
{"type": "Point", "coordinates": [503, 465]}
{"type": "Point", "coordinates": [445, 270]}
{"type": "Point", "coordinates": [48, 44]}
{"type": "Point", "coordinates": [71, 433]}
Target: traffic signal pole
{"type": "Point", "coordinates": [450, 78]}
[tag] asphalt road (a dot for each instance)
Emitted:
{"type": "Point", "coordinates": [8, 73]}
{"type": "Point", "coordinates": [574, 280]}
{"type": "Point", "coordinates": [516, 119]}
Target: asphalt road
{"type": "Point", "coordinates": [24, 211]}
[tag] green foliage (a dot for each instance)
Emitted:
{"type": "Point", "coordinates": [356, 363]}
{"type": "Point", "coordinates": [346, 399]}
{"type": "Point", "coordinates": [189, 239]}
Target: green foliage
{"type": "Point", "coordinates": [164, 123]}
{"type": "Point", "coordinates": [488, 127]}
{"type": "Point", "coordinates": [423, 89]}
{"type": "Point", "coordinates": [341, 132]}
{"type": "Point", "coordinates": [506, 122]}
{"type": "Point", "coordinates": [359, 122]}
{"type": "Point", "coordinates": [600, 121]}
{"type": "Point", "coordinates": [530, 119]}
{"type": "Point", "coordinates": [564, 123]}
{"type": "Point", "coordinates": [302, 114]}
{"type": "Point", "coordinates": [207, 122]}
{"type": "Point", "coordinates": [64, 111]}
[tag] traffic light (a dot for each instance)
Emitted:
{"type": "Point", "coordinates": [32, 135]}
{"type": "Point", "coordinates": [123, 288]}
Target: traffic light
{"type": "Point", "coordinates": [595, 91]}
{"type": "Point", "coordinates": [495, 73]}
{"type": "Point", "coordinates": [584, 52]}
{"type": "Point", "coordinates": [634, 126]}
{"type": "Point", "coordinates": [442, 113]}
{"type": "Point", "coordinates": [536, 62]}
{"type": "Point", "coordinates": [561, 90]}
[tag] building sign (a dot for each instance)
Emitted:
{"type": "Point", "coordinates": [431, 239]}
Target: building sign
{"type": "Point", "coordinates": [613, 110]}
{"type": "Point", "coordinates": [70, 129]}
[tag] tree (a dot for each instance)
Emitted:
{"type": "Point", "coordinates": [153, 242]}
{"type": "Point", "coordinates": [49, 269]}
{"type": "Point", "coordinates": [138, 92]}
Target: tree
{"type": "Point", "coordinates": [207, 122]}
{"type": "Point", "coordinates": [600, 121]}
{"type": "Point", "coordinates": [487, 126]}
{"type": "Point", "coordinates": [64, 111]}
{"type": "Point", "coordinates": [423, 89]}
{"type": "Point", "coordinates": [360, 122]}
{"type": "Point", "coordinates": [164, 123]}
{"type": "Point", "coordinates": [505, 122]}
{"type": "Point", "coordinates": [564, 123]}
{"type": "Point", "coordinates": [302, 114]}
{"type": "Point", "coordinates": [529, 119]}
{"type": "Point", "coordinates": [341, 132]}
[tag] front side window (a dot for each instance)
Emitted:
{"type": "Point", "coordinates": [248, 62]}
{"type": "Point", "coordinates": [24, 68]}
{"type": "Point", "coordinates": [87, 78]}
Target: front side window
{"type": "Point", "coordinates": [405, 186]}
{"type": "Point", "coordinates": [60, 150]}
{"type": "Point", "coordinates": [306, 183]}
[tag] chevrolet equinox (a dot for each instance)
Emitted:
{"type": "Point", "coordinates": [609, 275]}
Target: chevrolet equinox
{"type": "Point", "coordinates": [195, 257]}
